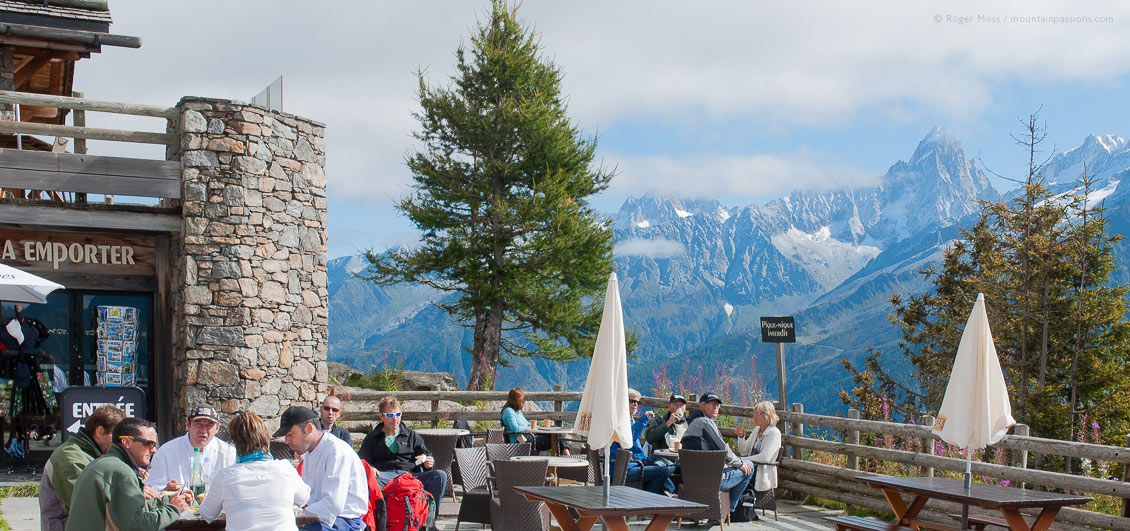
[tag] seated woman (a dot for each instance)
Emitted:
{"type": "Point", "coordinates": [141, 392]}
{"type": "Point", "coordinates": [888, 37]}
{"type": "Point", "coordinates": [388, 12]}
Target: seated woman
{"type": "Point", "coordinates": [515, 423]}
{"type": "Point", "coordinates": [762, 444]}
{"type": "Point", "coordinates": [258, 492]}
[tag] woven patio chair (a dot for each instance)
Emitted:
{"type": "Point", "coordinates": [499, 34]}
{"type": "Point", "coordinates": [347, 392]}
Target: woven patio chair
{"type": "Point", "coordinates": [620, 468]}
{"type": "Point", "coordinates": [443, 451]}
{"type": "Point", "coordinates": [767, 500]}
{"type": "Point", "coordinates": [506, 450]}
{"type": "Point", "coordinates": [702, 477]}
{"type": "Point", "coordinates": [510, 510]}
{"type": "Point", "coordinates": [496, 435]}
{"type": "Point", "coordinates": [586, 475]}
{"type": "Point", "coordinates": [475, 506]}
{"type": "Point", "coordinates": [279, 450]}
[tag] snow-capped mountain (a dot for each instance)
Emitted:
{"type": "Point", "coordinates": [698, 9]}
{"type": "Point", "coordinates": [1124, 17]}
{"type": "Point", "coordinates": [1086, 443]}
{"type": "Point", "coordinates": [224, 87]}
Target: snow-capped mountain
{"type": "Point", "coordinates": [696, 275]}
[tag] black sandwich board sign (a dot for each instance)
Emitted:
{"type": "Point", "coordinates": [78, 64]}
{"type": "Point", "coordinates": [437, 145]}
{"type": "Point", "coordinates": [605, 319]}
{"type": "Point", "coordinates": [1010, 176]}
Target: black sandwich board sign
{"type": "Point", "coordinates": [79, 402]}
{"type": "Point", "coordinates": [778, 330]}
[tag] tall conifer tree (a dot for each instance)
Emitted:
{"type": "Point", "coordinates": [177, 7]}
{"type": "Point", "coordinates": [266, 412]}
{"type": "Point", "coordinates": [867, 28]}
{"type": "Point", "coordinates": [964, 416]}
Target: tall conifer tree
{"type": "Point", "coordinates": [502, 180]}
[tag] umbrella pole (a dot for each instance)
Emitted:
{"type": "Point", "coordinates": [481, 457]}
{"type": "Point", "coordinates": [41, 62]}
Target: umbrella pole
{"type": "Point", "coordinates": [968, 486]}
{"type": "Point", "coordinates": [607, 479]}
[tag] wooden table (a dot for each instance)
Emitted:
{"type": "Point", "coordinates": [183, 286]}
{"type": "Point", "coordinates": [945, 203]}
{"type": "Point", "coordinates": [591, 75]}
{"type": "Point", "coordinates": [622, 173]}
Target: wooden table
{"type": "Point", "coordinates": [190, 521]}
{"type": "Point", "coordinates": [1007, 500]}
{"type": "Point", "coordinates": [622, 502]}
{"type": "Point", "coordinates": [553, 432]}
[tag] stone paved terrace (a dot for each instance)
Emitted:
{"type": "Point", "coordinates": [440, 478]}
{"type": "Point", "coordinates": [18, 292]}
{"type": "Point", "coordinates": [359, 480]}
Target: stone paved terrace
{"type": "Point", "coordinates": [22, 514]}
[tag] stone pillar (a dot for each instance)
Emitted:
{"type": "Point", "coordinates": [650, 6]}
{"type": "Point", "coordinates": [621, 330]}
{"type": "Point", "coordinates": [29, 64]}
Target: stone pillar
{"type": "Point", "coordinates": [250, 305]}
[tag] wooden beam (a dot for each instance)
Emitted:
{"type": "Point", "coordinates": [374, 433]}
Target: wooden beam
{"type": "Point", "coordinates": [66, 172]}
{"type": "Point", "coordinates": [135, 220]}
{"type": "Point", "coordinates": [11, 127]}
{"type": "Point", "coordinates": [88, 38]}
{"type": "Point", "coordinates": [65, 102]}
{"type": "Point", "coordinates": [26, 70]}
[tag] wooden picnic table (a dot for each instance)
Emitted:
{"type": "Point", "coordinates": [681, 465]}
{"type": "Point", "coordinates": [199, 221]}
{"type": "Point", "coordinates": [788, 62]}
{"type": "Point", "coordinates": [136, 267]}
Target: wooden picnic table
{"type": "Point", "coordinates": [1007, 500]}
{"type": "Point", "coordinates": [621, 503]}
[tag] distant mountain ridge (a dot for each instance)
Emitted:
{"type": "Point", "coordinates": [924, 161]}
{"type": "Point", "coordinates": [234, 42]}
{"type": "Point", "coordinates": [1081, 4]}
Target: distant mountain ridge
{"type": "Point", "coordinates": [696, 275]}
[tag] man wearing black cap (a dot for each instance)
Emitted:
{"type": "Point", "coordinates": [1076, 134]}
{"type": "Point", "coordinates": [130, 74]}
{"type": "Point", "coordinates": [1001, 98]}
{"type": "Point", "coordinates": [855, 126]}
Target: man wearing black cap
{"type": "Point", "coordinates": [339, 490]}
{"type": "Point", "coordinates": [172, 466]}
{"type": "Point", "coordinates": [672, 423]}
{"type": "Point", "coordinates": [703, 434]}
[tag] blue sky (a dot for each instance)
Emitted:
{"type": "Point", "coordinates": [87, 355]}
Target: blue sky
{"type": "Point", "coordinates": [734, 100]}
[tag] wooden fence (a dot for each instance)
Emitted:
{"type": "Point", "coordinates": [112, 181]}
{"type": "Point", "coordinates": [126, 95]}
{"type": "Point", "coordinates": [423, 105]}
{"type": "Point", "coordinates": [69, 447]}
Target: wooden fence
{"type": "Point", "coordinates": [807, 471]}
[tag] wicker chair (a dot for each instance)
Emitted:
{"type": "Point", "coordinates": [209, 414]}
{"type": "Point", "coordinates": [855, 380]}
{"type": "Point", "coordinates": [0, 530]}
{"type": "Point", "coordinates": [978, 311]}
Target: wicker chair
{"type": "Point", "coordinates": [496, 435]}
{"type": "Point", "coordinates": [620, 469]}
{"type": "Point", "coordinates": [767, 500]}
{"type": "Point", "coordinates": [475, 506]}
{"type": "Point", "coordinates": [586, 475]}
{"type": "Point", "coordinates": [279, 450]}
{"type": "Point", "coordinates": [702, 477]}
{"type": "Point", "coordinates": [443, 451]}
{"type": "Point", "coordinates": [512, 511]}
{"type": "Point", "coordinates": [506, 450]}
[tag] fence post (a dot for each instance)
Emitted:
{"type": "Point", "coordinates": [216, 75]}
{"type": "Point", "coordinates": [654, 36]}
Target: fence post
{"type": "Point", "coordinates": [78, 119]}
{"type": "Point", "coordinates": [1020, 456]}
{"type": "Point", "coordinates": [798, 431]}
{"type": "Point", "coordinates": [557, 404]}
{"type": "Point", "coordinates": [853, 438]}
{"type": "Point", "coordinates": [435, 409]}
{"type": "Point", "coordinates": [928, 444]}
{"type": "Point", "coordinates": [1125, 472]}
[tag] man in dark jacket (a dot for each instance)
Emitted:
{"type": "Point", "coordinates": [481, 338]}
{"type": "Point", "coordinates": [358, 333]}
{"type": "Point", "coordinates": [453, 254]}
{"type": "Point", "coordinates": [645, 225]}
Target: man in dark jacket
{"type": "Point", "coordinates": [108, 493]}
{"type": "Point", "coordinates": [332, 408]}
{"type": "Point", "coordinates": [394, 449]}
{"type": "Point", "coordinates": [658, 428]}
{"type": "Point", "coordinates": [68, 460]}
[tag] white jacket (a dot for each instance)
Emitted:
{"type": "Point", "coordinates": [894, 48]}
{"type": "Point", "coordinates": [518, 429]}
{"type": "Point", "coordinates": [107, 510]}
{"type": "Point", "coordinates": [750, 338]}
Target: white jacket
{"type": "Point", "coordinates": [766, 478]}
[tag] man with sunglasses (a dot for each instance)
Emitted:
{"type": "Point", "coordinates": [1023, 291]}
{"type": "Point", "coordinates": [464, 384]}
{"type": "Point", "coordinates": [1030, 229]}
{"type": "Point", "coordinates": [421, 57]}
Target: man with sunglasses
{"type": "Point", "coordinates": [108, 493]}
{"type": "Point", "coordinates": [393, 449]}
{"type": "Point", "coordinates": [331, 410]}
{"type": "Point", "coordinates": [339, 488]}
{"type": "Point", "coordinates": [172, 466]}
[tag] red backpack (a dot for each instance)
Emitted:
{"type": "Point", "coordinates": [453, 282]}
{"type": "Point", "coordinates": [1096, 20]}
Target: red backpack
{"type": "Point", "coordinates": [407, 505]}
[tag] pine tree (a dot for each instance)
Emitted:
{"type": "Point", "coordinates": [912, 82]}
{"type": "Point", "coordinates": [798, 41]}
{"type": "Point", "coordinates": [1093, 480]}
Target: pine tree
{"type": "Point", "coordinates": [500, 198]}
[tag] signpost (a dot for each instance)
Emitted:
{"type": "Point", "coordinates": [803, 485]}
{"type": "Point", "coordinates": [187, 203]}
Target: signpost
{"type": "Point", "coordinates": [779, 330]}
{"type": "Point", "coordinates": [80, 402]}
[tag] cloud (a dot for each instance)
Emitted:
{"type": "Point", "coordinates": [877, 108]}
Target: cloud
{"type": "Point", "coordinates": [736, 176]}
{"type": "Point", "coordinates": [656, 248]}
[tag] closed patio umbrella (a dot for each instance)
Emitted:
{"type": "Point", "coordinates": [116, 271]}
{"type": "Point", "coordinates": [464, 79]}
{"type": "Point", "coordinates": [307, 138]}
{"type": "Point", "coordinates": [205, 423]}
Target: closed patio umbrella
{"type": "Point", "coordinates": [975, 410]}
{"type": "Point", "coordinates": [21, 286]}
{"type": "Point", "coordinates": [603, 415]}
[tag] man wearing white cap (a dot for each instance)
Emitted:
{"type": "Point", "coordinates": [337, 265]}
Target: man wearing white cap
{"type": "Point", "coordinates": [172, 466]}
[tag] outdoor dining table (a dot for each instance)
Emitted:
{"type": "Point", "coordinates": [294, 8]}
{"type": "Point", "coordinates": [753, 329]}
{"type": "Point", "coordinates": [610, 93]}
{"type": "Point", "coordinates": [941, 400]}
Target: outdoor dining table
{"type": "Point", "coordinates": [553, 432]}
{"type": "Point", "coordinates": [554, 462]}
{"type": "Point", "coordinates": [443, 431]}
{"type": "Point", "coordinates": [669, 454]}
{"type": "Point", "coordinates": [622, 502]}
{"type": "Point", "coordinates": [1007, 500]}
{"type": "Point", "coordinates": [191, 521]}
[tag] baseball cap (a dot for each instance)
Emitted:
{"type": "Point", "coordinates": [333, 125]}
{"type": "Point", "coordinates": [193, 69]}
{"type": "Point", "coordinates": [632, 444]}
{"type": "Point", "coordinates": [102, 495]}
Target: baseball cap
{"type": "Point", "coordinates": [203, 410]}
{"type": "Point", "coordinates": [293, 416]}
{"type": "Point", "coordinates": [678, 397]}
{"type": "Point", "coordinates": [709, 397]}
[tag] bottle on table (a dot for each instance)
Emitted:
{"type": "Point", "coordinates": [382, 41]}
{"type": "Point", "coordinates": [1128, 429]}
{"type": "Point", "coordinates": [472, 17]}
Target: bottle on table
{"type": "Point", "coordinates": [196, 480]}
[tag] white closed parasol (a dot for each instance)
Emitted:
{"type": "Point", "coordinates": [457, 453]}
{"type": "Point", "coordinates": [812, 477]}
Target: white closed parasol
{"type": "Point", "coordinates": [603, 416]}
{"type": "Point", "coordinates": [975, 410]}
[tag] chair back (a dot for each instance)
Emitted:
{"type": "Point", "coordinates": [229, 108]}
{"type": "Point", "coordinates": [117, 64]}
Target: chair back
{"type": "Point", "coordinates": [465, 441]}
{"type": "Point", "coordinates": [496, 435]}
{"type": "Point", "coordinates": [702, 478]}
{"type": "Point", "coordinates": [620, 467]}
{"type": "Point", "coordinates": [442, 448]}
{"type": "Point", "coordinates": [512, 511]}
{"type": "Point", "coordinates": [279, 450]}
{"type": "Point", "coordinates": [473, 466]}
{"type": "Point", "coordinates": [506, 450]}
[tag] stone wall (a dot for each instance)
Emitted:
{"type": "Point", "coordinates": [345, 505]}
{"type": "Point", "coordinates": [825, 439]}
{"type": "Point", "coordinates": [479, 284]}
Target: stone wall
{"type": "Point", "coordinates": [250, 314]}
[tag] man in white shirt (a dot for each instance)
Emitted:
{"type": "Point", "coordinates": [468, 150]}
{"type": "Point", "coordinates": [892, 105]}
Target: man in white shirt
{"type": "Point", "coordinates": [172, 466]}
{"type": "Point", "coordinates": [339, 490]}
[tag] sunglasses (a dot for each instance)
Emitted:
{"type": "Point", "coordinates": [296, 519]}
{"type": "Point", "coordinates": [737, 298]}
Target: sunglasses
{"type": "Point", "coordinates": [331, 409]}
{"type": "Point", "coordinates": [145, 442]}
{"type": "Point", "coordinates": [391, 415]}
{"type": "Point", "coordinates": [630, 401]}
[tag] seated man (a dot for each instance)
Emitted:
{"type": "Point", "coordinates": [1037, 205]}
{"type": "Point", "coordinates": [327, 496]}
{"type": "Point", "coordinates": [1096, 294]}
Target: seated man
{"type": "Point", "coordinates": [656, 478]}
{"type": "Point", "coordinates": [332, 408]}
{"type": "Point", "coordinates": [108, 493]}
{"type": "Point", "coordinates": [393, 449]}
{"type": "Point", "coordinates": [703, 434]}
{"type": "Point", "coordinates": [68, 460]}
{"type": "Point", "coordinates": [172, 466]}
{"type": "Point", "coordinates": [659, 428]}
{"type": "Point", "coordinates": [339, 489]}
